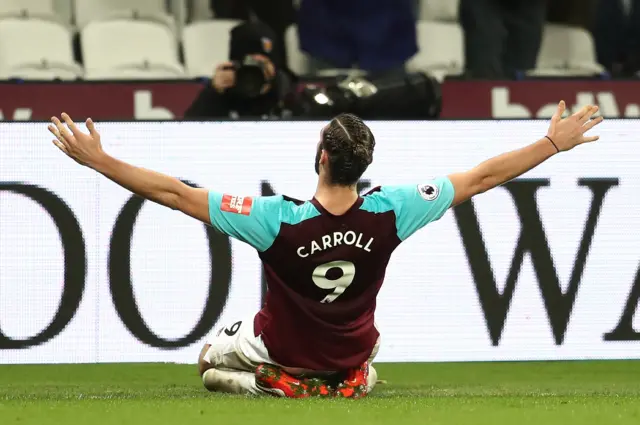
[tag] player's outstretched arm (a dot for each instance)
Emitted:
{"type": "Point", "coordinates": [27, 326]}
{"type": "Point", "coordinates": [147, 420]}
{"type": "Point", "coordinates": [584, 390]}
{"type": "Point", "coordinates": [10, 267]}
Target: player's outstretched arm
{"type": "Point", "coordinates": [86, 149]}
{"type": "Point", "coordinates": [563, 135]}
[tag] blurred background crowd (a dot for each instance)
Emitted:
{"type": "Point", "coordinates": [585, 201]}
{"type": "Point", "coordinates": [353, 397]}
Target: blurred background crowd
{"type": "Point", "coordinates": [314, 58]}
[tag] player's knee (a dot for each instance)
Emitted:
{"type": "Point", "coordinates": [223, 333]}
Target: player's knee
{"type": "Point", "coordinates": [203, 362]}
{"type": "Point", "coordinates": [210, 379]}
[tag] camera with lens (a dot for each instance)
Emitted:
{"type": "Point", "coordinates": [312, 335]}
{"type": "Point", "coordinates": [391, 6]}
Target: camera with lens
{"type": "Point", "coordinates": [250, 76]}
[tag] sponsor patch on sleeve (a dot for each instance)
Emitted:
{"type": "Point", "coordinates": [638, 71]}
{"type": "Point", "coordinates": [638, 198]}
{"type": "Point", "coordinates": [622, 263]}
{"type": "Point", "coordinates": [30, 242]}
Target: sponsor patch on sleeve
{"type": "Point", "coordinates": [236, 204]}
{"type": "Point", "coordinates": [429, 192]}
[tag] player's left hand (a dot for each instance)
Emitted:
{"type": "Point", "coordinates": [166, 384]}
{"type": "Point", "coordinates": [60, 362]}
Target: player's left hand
{"type": "Point", "coordinates": [567, 133]}
{"type": "Point", "coordinates": [83, 148]}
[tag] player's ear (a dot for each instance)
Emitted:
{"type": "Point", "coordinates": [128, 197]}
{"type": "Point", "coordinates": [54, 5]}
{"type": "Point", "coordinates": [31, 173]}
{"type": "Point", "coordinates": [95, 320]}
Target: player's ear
{"type": "Point", "coordinates": [324, 157]}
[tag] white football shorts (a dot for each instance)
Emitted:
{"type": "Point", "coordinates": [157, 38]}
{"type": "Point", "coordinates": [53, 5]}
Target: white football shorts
{"type": "Point", "coordinates": [235, 347]}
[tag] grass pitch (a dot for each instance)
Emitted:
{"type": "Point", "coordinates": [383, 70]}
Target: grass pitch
{"type": "Point", "coordinates": [562, 393]}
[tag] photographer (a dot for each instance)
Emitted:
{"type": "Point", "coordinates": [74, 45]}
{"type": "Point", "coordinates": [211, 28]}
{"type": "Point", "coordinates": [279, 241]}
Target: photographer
{"type": "Point", "coordinates": [252, 84]}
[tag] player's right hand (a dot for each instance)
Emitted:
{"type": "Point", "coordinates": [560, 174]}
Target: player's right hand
{"type": "Point", "coordinates": [83, 148]}
{"type": "Point", "coordinates": [567, 133]}
{"type": "Point", "coordinates": [224, 77]}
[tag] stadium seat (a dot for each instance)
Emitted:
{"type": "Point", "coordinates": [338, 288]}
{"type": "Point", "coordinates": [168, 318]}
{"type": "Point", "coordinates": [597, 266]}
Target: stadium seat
{"type": "Point", "coordinates": [91, 10]}
{"type": "Point", "coordinates": [34, 48]}
{"type": "Point", "coordinates": [200, 10]}
{"type": "Point", "coordinates": [568, 49]}
{"type": "Point", "coordinates": [43, 73]}
{"type": "Point", "coordinates": [557, 73]}
{"type": "Point", "coordinates": [206, 44]}
{"type": "Point", "coordinates": [180, 12]}
{"type": "Point", "coordinates": [441, 49]}
{"type": "Point", "coordinates": [297, 60]}
{"type": "Point", "coordinates": [132, 72]}
{"type": "Point", "coordinates": [64, 9]}
{"type": "Point", "coordinates": [42, 9]}
{"type": "Point", "coordinates": [439, 10]}
{"type": "Point", "coordinates": [108, 45]}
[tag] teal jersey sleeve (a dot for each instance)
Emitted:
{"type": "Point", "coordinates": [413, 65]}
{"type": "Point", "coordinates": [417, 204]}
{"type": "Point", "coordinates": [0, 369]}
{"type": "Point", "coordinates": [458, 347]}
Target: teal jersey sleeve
{"type": "Point", "coordinates": [254, 220]}
{"type": "Point", "coordinates": [415, 206]}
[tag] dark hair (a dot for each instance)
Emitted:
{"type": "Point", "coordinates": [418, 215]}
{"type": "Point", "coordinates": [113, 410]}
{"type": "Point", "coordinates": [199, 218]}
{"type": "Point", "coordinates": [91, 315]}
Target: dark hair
{"type": "Point", "coordinates": [349, 144]}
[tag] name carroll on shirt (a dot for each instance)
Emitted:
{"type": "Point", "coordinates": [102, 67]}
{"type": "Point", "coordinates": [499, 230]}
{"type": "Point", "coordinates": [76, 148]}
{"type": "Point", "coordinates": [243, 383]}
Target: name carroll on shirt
{"type": "Point", "coordinates": [333, 240]}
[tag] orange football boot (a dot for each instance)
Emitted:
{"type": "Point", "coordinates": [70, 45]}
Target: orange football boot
{"type": "Point", "coordinates": [277, 382]}
{"type": "Point", "coordinates": [355, 386]}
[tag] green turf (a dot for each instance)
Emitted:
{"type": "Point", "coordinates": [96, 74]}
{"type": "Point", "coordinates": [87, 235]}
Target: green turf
{"type": "Point", "coordinates": [584, 393]}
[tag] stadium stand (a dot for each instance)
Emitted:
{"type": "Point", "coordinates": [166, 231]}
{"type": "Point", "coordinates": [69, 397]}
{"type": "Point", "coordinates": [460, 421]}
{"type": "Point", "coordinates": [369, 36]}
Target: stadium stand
{"type": "Point", "coordinates": [156, 32]}
{"type": "Point", "coordinates": [567, 51]}
{"type": "Point", "coordinates": [297, 60]}
{"type": "Point", "coordinates": [441, 49]}
{"type": "Point", "coordinates": [117, 45]}
{"type": "Point", "coordinates": [439, 10]}
{"type": "Point", "coordinates": [135, 72]}
{"type": "Point", "coordinates": [43, 9]}
{"type": "Point", "coordinates": [200, 10]}
{"type": "Point", "coordinates": [36, 49]}
{"type": "Point", "coordinates": [206, 44]}
{"type": "Point", "coordinates": [64, 10]}
{"type": "Point", "coordinates": [91, 10]}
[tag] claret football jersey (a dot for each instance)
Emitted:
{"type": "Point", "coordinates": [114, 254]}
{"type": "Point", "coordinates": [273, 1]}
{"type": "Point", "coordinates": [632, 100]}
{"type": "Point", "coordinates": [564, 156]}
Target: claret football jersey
{"type": "Point", "coordinates": [324, 271]}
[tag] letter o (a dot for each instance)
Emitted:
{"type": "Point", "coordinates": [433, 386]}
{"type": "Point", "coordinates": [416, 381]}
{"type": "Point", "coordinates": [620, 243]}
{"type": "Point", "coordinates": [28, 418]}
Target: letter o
{"type": "Point", "coordinates": [75, 262]}
{"type": "Point", "coordinates": [121, 285]}
{"type": "Point", "coordinates": [353, 237]}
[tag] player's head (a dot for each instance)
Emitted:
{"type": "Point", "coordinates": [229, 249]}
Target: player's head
{"type": "Point", "coordinates": [345, 150]}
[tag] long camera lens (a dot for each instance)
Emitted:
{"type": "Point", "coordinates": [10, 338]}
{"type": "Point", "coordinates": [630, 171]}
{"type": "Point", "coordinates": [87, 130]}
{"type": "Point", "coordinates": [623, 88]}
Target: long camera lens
{"type": "Point", "coordinates": [250, 77]}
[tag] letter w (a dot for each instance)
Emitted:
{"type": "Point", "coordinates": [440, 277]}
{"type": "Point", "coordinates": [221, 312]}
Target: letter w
{"type": "Point", "coordinates": [532, 240]}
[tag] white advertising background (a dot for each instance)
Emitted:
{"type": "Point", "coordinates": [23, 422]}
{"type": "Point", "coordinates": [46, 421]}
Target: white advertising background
{"type": "Point", "coordinates": [428, 309]}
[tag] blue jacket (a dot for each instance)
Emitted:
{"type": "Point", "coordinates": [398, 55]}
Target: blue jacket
{"type": "Point", "coordinates": [376, 35]}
